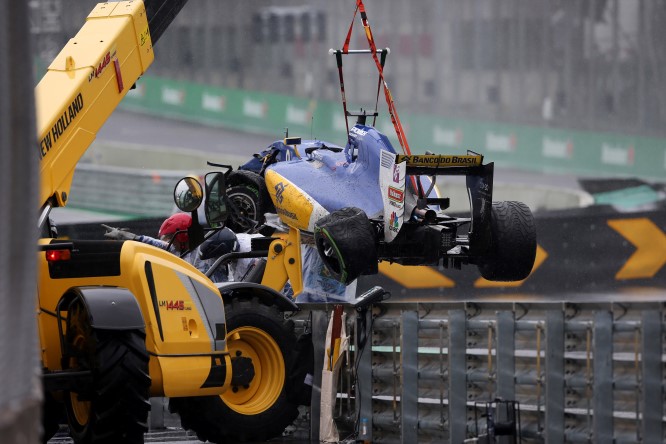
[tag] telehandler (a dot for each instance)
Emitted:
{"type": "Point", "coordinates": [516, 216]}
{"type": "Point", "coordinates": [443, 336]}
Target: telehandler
{"type": "Point", "coordinates": [121, 321]}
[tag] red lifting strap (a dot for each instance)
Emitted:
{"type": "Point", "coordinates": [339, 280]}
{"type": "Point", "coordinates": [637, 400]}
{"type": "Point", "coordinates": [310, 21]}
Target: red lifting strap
{"type": "Point", "coordinates": [393, 112]}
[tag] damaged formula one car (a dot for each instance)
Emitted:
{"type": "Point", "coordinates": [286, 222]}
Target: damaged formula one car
{"type": "Point", "coordinates": [366, 203]}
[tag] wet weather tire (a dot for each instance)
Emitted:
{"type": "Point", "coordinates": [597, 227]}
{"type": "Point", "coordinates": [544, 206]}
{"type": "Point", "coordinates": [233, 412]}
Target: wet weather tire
{"type": "Point", "coordinates": [248, 193]}
{"type": "Point", "coordinates": [115, 408]}
{"type": "Point", "coordinates": [346, 243]}
{"type": "Point", "coordinates": [260, 410]}
{"type": "Point", "coordinates": [513, 243]}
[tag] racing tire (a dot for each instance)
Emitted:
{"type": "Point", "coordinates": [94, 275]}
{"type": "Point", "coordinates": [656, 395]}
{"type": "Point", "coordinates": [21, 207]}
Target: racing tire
{"type": "Point", "coordinates": [261, 410]}
{"type": "Point", "coordinates": [346, 243]}
{"type": "Point", "coordinates": [115, 408]}
{"type": "Point", "coordinates": [250, 201]}
{"type": "Point", "coordinates": [513, 243]}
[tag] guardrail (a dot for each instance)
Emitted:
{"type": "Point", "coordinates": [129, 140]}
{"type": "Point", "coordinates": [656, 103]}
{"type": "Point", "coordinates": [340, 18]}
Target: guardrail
{"type": "Point", "coordinates": [581, 372]}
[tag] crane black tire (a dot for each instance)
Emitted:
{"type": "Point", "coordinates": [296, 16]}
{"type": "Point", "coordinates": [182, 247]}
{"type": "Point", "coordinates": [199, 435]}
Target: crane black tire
{"type": "Point", "coordinates": [346, 243]}
{"type": "Point", "coordinates": [513, 243]}
{"type": "Point", "coordinates": [116, 407]}
{"type": "Point", "coordinates": [262, 410]}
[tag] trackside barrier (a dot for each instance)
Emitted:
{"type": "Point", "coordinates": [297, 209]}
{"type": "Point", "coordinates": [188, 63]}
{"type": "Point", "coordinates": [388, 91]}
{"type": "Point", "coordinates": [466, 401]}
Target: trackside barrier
{"type": "Point", "coordinates": [580, 371]}
{"type": "Point", "coordinates": [593, 249]}
{"type": "Point", "coordinates": [140, 173]}
{"type": "Point", "coordinates": [136, 180]}
{"type": "Point", "coordinates": [531, 148]}
{"type": "Point", "coordinates": [149, 191]}
{"type": "Point", "coordinates": [583, 371]}
{"type": "Point", "coordinates": [130, 191]}
{"type": "Point", "coordinates": [585, 250]}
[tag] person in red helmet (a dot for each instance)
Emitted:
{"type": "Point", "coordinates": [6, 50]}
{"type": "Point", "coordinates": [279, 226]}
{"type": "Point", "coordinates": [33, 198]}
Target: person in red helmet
{"type": "Point", "coordinates": [172, 225]}
{"type": "Point", "coordinates": [169, 228]}
{"type": "Point", "coordinates": [203, 257]}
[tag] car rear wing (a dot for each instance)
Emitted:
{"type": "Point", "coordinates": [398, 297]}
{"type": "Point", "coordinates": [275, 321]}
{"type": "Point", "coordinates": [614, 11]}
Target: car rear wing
{"type": "Point", "coordinates": [479, 182]}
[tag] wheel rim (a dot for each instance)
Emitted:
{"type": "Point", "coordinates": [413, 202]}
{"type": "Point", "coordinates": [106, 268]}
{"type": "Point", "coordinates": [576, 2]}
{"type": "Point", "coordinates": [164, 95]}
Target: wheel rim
{"type": "Point", "coordinates": [245, 204]}
{"type": "Point", "coordinates": [269, 372]}
{"type": "Point", "coordinates": [80, 409]}
{"type": "Point", "coordinates": [331, 255]}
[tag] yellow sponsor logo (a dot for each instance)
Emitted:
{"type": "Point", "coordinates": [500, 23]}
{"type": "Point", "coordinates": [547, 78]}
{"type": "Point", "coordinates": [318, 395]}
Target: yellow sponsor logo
{"type": "Point", "coordinates": [292, 205]}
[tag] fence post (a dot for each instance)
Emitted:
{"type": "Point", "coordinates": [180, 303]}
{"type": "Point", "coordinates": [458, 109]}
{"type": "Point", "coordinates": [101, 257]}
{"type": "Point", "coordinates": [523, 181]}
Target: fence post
{"type": "Point", "coordinates": [319, 325]}
{"type": "Point", "coordinates": [603, 376]}
{"type": "Point", "coordinates": [457, 376]}
{"type": "Point", "coordinates": [554, 428]}
{"type": "Point", "coordinates": [364, 374]}
{"type": "Point", "coordinates": [652, 405]}
{"type": "Point", "coordinates": [21, 397]}
{"type": "Point", "coordinates": [409, 353]}
{"type": "Point", "coordinates": [506, 366]}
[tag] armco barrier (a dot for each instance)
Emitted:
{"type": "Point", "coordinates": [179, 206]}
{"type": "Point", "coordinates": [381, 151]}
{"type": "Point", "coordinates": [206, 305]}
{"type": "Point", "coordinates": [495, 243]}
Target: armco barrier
{"type": "Point", "coordinates": [581, 372]}
{"type": "Point", "coordinates": [532, 148]}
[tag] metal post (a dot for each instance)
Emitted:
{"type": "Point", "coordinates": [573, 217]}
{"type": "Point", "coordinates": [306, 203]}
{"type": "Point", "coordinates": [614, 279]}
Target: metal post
{"type": "Point", "coordinates": [506, 367]}
{"type": "Point", "coordinates": [364, 372]}
{"type": "Point", "coordinates": [554, 428]}
{"type": "Point", "coordinates": [603, 376]}
{"type": "Point", "coordinates": [319, 325]}
{"type": "Point", "coordinates": [409, 352]}
{"type": "Point", "coordinates": [20, 402]}
{"type": "Point", "coordinates": [652, 405]}
{"type": "Point", "coordinates": [458, 376]}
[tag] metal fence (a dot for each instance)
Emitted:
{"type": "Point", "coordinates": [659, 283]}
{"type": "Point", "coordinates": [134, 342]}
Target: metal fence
{"type": "Point", "coordinates": [579, 372]}
{"type": "Point", "coordinates": [584, 64]}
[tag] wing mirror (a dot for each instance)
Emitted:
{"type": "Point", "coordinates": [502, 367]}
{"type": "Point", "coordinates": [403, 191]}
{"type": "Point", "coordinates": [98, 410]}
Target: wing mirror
{"type": "Point", "coordinates": [188, 194]}
{"type": "Point", "coordinates": [216, 204]}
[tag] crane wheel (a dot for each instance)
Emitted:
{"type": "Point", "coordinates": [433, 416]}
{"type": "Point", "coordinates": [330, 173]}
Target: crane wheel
{"type": "Point", "coordinates": [257, 411]}
{"type": "Point", "coordinates": [115, 407]}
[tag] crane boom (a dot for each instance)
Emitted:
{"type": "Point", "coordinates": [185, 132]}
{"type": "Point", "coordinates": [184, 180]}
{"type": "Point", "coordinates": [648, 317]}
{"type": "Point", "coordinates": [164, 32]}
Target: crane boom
{"type": "Point", "coordinates": [87, 80]}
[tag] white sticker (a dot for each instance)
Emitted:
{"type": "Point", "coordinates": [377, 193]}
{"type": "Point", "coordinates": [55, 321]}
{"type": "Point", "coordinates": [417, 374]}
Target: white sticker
{"type": "Point", "coordinates": [392, 185]}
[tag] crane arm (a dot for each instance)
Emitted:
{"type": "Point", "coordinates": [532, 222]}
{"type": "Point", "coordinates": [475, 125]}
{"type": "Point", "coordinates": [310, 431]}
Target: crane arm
{"type": "Point", "coordinates": [87, 80]}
